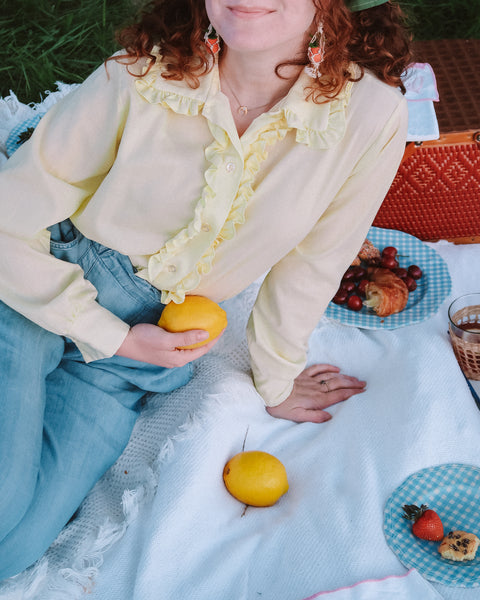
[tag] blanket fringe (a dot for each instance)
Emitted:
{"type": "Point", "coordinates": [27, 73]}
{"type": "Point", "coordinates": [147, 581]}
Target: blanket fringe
{"type": "Point", "coordinates": [13, 112]}
{"type": "Point", "coordinates": [74, 582]}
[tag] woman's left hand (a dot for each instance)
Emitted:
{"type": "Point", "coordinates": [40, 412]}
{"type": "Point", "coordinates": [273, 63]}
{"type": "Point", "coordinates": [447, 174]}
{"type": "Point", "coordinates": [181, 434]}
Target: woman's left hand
{"type": "Point", "coordinates": [314, 390]}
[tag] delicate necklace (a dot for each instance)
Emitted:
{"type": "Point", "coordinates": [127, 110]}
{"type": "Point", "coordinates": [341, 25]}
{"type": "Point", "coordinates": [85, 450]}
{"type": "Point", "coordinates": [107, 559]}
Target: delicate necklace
{"type": "Point", "coordinates": [243, 108]}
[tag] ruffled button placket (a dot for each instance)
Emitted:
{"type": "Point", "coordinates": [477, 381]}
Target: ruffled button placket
{"type": "Point", "coordinates": [225, 172]}
{"type": "Point", "coordinates": [176, 268]}
{"type": "Point", "coordinates": [255, 154]}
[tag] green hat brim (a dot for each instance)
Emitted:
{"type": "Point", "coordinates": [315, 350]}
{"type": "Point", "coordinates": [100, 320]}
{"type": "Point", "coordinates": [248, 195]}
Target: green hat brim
{"type": "Point", "coordinates": [355, 5]}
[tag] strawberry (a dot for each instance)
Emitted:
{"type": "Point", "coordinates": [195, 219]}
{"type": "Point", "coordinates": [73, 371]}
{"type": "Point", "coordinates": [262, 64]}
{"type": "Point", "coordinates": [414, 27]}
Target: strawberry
{"type": "Point", "coordinates": [427, 524]}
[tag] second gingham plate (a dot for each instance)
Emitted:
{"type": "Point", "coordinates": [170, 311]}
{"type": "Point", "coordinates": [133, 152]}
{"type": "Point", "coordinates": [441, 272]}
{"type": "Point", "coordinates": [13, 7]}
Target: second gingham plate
{"type": "Point", "coordinates": [432, 288]}
{"type": "Point", "coordinates": [453, 491]}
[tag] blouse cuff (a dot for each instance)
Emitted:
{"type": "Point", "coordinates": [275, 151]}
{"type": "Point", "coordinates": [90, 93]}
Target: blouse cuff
{"type": "Point", "coordinates": [273, 392]}
{"type": "Point", "coordinates": [99, 324]}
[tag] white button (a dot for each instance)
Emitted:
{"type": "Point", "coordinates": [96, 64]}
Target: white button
{"type": "Point", "coordinates": [230, 167]}
{"type": "Point", "coordinates": [205, 227]}
{"type": "Point", "coordinates": [172, 268]}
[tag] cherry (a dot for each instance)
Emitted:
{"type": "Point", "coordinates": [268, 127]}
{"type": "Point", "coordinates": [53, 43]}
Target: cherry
{"type": "Point", "coordinates": [410, 283]}
{"type": "Point", "coordinates": [415, 272]}
{"type": "Point", "coordinates": [354, 303]}
{"type": "Point", "coordinates": [361, 286]}
{"type": "Point", "coordinates": [358, 273]}
{"type": "Point", "coordinates": [349, 273]}
{"type": "Point", "coordinates": [340, 297]}
{"type": "Point", "coordinates": [389, 262]}
{"type": "Point", "coordinates": [400, 272]}
{"type": "Point", "coordinates": [347, 285]}
{"type": "Point", "coordinates": [389, 251]}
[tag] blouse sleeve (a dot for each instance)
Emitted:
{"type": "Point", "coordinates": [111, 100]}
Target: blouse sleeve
{"type": "Point", "coordinates": [297, 290]}
{"type": "Point", "coordinates": [45, 182]}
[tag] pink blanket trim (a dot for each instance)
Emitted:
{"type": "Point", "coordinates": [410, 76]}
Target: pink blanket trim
{"type": "Point", "coordinates": [349, 587]}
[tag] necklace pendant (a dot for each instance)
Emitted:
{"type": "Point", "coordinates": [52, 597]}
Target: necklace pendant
{"type": "Point", "coordinates": [242, 110]}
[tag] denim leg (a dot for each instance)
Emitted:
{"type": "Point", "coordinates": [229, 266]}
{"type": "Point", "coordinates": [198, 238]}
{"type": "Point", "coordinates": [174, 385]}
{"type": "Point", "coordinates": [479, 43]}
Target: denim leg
{"type": "Point", "coordinates": [89, 415]}
{"type": "Point", "coordinates": [28, 354]}
{"type": "Point", "coordinates": [85, 429]}
{"type": "Point", "coordinates": [67, 422]}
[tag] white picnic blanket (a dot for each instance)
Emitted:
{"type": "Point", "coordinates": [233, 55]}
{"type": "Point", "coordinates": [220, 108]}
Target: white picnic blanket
{"type": "Point", "coordinates": [160, 525]}
{"type": "Point", "coordinates": [191, 540]}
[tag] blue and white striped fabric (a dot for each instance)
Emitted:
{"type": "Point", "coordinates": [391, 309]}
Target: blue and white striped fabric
{"type": "Point", "coordinates": [432, 288]}
{"type": "Point", "coordinates": [453, 491]}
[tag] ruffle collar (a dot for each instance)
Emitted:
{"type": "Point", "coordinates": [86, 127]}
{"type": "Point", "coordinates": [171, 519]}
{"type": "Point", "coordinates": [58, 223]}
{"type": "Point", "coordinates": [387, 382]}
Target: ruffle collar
{"type": "Point", "coordinates": [316, 125]}
{"type": "Point", "coordinates": [176, 95]}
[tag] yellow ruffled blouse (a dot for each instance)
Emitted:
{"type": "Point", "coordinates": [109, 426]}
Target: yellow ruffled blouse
{"type": "Point", "coordinates": [156, 170]}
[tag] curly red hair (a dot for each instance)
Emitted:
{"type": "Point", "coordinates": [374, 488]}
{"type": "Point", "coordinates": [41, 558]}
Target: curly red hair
{"type": "Point", "coordinates": [374, 39]}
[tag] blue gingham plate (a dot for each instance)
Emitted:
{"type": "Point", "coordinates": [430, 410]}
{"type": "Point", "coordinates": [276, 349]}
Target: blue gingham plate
{"type": "Point", "coordinates": [25, 128]}
{"type": "Point", "coordinates": [432, 288]}
{"type": "Point", "coordinates": [453, 491]}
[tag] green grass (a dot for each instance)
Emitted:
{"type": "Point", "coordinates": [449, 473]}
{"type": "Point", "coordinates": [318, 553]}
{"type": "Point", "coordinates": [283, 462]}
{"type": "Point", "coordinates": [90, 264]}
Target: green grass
{"type": "Point", "coordinates": [43, 41]}
{"type": "Point", "coordinates": [443, 19]}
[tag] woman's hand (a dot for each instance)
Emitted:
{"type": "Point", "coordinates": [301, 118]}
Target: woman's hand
{"type": "Point", "coordinates": [152, 344]}
{"type": "Point", "coordinates": [315, 389]}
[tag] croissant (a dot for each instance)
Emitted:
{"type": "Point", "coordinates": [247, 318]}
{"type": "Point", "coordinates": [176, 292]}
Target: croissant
{"type": "Point", "coordinates": [385, 293]}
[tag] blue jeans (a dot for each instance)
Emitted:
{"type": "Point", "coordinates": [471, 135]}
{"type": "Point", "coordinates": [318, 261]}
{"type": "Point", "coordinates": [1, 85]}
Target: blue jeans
{"type": "Point", "coordinates": [63, 422]}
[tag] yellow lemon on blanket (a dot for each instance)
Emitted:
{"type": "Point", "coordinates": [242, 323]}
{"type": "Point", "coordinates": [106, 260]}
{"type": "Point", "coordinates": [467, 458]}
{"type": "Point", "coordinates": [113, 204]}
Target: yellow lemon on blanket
{"type": "Point", "coordinates": [255, 478]}
{"type": "Point", "coordinates": [195, 312]}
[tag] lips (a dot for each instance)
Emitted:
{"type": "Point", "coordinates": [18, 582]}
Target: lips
{"type": "Point", "coordinates": [249, 11]}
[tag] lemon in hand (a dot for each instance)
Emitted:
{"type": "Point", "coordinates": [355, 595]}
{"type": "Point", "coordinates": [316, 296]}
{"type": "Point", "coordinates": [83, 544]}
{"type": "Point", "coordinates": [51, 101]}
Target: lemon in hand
{"type": "Point", "coordinates": [255, 478]}
{"type": "Point", "coordinates": [195, 312]}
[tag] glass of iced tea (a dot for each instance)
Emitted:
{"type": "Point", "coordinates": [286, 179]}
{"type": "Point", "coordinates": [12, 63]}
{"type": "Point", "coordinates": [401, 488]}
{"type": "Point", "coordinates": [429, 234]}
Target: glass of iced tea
{"type": "Point", "coordinates": [464, 325]}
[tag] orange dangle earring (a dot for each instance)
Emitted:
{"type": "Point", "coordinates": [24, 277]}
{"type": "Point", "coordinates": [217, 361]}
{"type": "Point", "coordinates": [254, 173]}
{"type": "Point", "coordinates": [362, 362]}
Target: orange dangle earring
{"type": "Point", "coordinates": [316, 52]}
{"type": "Point", "coordinates": [212, 40]}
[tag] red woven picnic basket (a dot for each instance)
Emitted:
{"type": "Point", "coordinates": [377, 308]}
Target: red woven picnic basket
{"type": "Point", "coordinates": [436, 192]}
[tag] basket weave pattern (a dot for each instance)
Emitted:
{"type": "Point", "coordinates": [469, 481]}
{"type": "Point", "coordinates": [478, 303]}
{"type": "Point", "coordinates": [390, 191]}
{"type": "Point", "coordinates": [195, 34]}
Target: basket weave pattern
{"type": "Point", "coordinates": [435, 194]}
{"type": "Point", "coordinates": [467, 353]}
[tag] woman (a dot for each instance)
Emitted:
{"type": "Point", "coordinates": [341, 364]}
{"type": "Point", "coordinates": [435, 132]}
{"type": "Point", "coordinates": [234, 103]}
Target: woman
{"type": "Point", "coordinates": [196, 161]}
